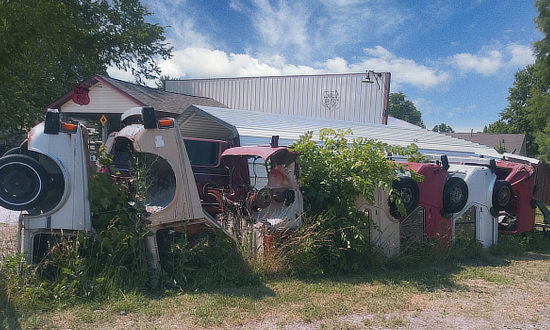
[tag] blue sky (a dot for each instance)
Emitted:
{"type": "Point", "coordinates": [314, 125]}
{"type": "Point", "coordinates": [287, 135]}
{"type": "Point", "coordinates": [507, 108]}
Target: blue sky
{"type": "Point", "coordinates": [454, 59]}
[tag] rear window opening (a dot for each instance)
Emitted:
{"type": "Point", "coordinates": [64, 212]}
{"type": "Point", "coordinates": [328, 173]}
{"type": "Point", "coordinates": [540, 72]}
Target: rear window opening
{"type": "Point", "coordinates": [202, 153]}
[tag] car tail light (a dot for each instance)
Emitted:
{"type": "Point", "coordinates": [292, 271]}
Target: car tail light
{"type": "Point", "coordinates": [68, 128]}
{"type": "Point", "coordinates": [166, 123]}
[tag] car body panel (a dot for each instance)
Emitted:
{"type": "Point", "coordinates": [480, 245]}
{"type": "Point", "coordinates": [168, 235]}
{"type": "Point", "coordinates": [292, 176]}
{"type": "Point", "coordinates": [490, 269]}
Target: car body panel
{"type": "Point", "coordinates": [185, 207]}
{"type": "Point", "coordinates": [480, 181]}
{"type": "Point", "coordinates": [522, 180]}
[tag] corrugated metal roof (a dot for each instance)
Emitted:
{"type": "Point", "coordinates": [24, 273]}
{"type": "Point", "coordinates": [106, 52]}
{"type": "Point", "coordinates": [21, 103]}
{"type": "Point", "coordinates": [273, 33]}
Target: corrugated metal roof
{"type": "Point", "coordinates": [256, 128]}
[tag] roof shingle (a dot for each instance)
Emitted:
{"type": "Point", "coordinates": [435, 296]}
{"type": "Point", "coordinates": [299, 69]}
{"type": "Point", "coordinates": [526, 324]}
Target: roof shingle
{"type": "Point", "coordinates": [514, 143]}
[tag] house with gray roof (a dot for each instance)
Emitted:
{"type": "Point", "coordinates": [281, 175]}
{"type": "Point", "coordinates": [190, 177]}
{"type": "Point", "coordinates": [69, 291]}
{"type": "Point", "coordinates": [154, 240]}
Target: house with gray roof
{"type": "Point", "coordinates": [510, 143]}
{"type": "Point", "coordinates": [112, 97]}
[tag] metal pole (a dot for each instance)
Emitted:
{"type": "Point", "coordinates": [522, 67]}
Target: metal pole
{"type": "Point", "coordinates": [104, 132]}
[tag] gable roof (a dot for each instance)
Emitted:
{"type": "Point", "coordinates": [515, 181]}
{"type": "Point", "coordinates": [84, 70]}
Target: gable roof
{"type": "Point", "coordinates": [162, 101]}
{"type": "Point", "coordinates": [514, 143]}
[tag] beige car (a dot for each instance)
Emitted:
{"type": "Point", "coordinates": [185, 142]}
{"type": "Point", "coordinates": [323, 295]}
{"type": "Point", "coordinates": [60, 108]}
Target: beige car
{"type": "Point", "coordinates": [173, 199]}
{"type": "Point", "coordinates": [172, 202]}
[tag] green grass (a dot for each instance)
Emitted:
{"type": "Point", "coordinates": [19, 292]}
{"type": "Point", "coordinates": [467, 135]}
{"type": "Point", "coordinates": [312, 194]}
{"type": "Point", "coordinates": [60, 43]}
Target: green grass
{"type": "Point", "coordinates": [378, 296]}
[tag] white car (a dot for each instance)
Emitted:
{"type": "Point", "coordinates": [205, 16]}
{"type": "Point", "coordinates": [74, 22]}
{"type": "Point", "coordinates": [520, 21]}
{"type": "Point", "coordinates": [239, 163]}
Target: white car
{"type": "Point", "coordinates": [47, 178]}
{"type": "Point", "coordinates": [486, 195]}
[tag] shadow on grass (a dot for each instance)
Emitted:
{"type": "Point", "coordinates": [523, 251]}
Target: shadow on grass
{"type": "Point", "coordinates": [431, 272]}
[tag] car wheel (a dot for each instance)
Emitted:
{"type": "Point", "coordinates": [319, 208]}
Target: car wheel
{"type": "Point", "coordinates": [23, 182]}
{"type": "Point", "coordinates": [263, 198]}
{"type": "Point", "coordinates": [408, 191]}
{"type": "Point", "coordinates": [455, 195]}
{"type": "Point", "coordinates": [502, 195]}
{"type": "Point", "coordinates": [12, 151]}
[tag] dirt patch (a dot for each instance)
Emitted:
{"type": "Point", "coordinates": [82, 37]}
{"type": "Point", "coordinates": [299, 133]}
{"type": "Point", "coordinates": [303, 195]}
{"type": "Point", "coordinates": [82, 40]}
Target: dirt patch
{"type": "Point", "coordinates": [8, 239]}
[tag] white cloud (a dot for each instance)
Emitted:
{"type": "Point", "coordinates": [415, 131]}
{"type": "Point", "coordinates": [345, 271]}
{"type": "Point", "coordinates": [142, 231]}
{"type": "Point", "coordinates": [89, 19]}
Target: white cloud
{"type": "Point", "coordinates": [117, 73]}
{"type": "Point", "coordinates": [196, 62]}
{"type": "Point", "coordinates": [521, 55]}
{"type": "Point", "coordinates": [282, 27]}
{"type": "Point", "coordinates": [404, 71]}
{"type": "Point", "coordinates": [485, 64]}
{"type": "Point", "coordinates": [492, 61]}
{"type": "Point", "coordinates": [203, 62]}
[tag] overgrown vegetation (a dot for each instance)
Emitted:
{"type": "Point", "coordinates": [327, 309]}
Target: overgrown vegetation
{"type": "Point", "coordinates": [335, 172]}
{"type": "Point", "coordinates": [115, 260]}
{"type": "Point", "coordinates": [114, 265]}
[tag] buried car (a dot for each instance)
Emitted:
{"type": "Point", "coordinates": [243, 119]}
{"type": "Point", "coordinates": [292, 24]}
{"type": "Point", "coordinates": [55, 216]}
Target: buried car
{"type": "Point", "coordinates": [519, 216]}
{"type": "Point", "coordinates": [259, 182]}
{"type": "Point", "coordinates": [278, 203]}
{"type": "Point", "coordinates": [486, 196]}
{"type": "Point", "coordinates": [211, 179]}
{"type": "Point", "coordinates": [47, 178]}
{"type": "Point", "coordinates": [428, 213]}
{"type": "Point", "coordinates": [172, 199]}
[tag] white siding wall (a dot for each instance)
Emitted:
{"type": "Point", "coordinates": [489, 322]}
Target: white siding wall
{"type": "Point", "coordinates": [304, 96]}
{"type": "Point", "coordinates": [103, 99]}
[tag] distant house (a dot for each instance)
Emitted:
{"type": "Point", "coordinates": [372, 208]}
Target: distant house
{"type": "Point", "coordinates": [511, 143]}
{"type": "Point", "coordinates": [112, 97]}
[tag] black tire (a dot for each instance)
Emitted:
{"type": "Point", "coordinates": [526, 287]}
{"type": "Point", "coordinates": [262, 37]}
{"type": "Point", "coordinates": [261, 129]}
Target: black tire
{"type": "Point", "coordinates": [409, 193]}
{"type": "Point", "coordinates": [263, 198]}
{"type": "Point", "coordinates": [22, 149]}
{"type": "Point", "coordinates": [455, 195]}
{"type": "Point", "coordinates": [12, 151]}
{"type": "Point", "coordinates": [502, 195]}
{"type": "Point", "coordinates": [23, 182]}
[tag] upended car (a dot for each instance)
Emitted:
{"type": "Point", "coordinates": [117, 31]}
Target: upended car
{"type": "Point", "coordinates": [47, 177]}
{"type": "Point", "coordinates": [519, 216]}
{"type": "Point", "coordinates": [427, 205]}
{"type": "Point", "coordinates": [486, 197]}
{"type": "Point", "coordinates": [221, 193]}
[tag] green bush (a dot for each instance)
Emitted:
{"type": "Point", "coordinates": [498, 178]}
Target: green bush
{"type": "Point", "coordinates": [334, 237]}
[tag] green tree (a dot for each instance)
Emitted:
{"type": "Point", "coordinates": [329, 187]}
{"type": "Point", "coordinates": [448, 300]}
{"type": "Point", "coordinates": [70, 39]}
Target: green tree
{"type": "Point", "coordinates": [538, 103]}
{"type": "Point", "coordinates": [528, 110]}
{"type": "Point", "coordinates": [46, 46]}
{"type": "Point", "coordinates": [517, 114]}
{"type": "Point", "coordinates": [443, 128]}
{"type": "Point", "coordinates": [498, 127]}
{"type": "Point", "coordinates": [542, 47]}
{"type": "Point", "coordinates": [403, 109]}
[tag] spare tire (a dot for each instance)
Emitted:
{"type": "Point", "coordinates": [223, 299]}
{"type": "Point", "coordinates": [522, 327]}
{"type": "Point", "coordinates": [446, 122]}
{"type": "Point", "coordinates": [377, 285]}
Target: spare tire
{"type": "Point", "coordinates": [502, 195]}
{"type": "Point", "coordinates": [263, 198]}
{"type": "Point", "coordinates": [409, 193]}
{"type": "Point", "coordinates": [23, 182]}
{"type": "Point", "coordinates": [455, 195]}
{"type": "Point", "coordinates": [12, 151]}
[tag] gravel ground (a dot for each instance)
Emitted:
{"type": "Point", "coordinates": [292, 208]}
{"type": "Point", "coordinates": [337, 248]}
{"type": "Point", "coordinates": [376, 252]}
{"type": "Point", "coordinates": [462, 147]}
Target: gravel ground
{"type": "Point", "coordinates": [8, 216]}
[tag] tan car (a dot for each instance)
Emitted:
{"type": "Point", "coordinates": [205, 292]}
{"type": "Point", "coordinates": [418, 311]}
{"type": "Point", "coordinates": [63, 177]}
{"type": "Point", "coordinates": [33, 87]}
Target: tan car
{"type": "Point", "coordinates": [172, 197]}
{"type": "Point", "coordinates": [233, 204]}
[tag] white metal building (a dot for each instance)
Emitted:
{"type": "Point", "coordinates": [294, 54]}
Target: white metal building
{"type": "Point", "coordinates": [358, 97]}
{"type": "Point", "coordinates": [256, 128]}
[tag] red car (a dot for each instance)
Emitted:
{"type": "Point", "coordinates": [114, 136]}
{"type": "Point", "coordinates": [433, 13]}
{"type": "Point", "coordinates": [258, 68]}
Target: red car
{"type": "Point", "coordinates": [429, 203]}
{"type": "Point", "coordinates": [519, 216]}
